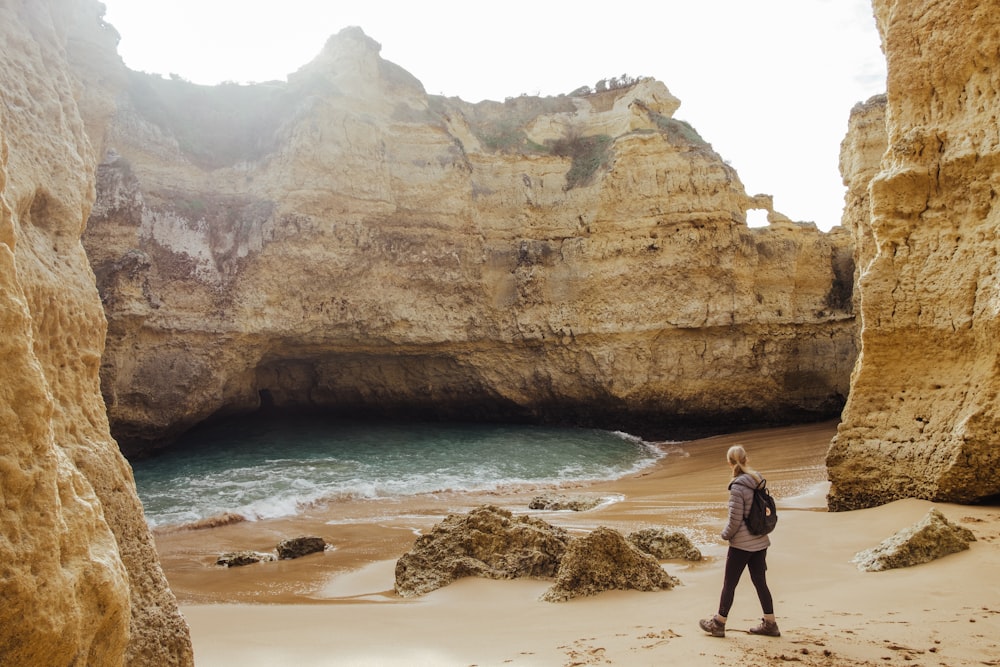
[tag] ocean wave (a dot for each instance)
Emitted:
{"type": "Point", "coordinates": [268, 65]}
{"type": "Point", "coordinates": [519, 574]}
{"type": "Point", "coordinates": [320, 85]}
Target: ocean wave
{"type": "Point", "coordinates": [301, 477]}
{"type": "Point", "coordinates": [226, 519]}
{"type": "Point", "coordinates": [627, 436]}
{"type": "Point", "coordinates": [658, 448]}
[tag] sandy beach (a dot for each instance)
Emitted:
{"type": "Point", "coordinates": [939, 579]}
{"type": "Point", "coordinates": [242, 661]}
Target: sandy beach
{"type": "Point", "coordinates": [338, 608]}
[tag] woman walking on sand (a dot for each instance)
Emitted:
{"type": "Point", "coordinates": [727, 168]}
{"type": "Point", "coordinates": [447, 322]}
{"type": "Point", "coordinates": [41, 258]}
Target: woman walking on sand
{"type": "Point", "coordinates": [745, 550]}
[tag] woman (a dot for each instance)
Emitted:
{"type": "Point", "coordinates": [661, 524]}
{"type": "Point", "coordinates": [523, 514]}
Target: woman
{"type": "Point", "coordinates": [745, 550]}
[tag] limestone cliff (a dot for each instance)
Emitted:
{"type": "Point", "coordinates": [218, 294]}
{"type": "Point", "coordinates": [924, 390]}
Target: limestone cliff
{"type": "Point", "coordinates": [922, 419]}
{"type": "Point", "coordinates": [347, 242]}
{"type": "Point", "coordinates": [79, 577]}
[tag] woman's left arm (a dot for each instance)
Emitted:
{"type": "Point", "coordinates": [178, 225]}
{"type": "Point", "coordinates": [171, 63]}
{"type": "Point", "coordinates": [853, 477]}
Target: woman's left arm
{"type": "Point", "coordinates": [736, 507]}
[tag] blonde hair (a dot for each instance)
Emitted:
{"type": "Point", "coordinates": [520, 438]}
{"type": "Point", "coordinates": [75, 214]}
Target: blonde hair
{"type": "Point", "coordinates": [737, 457]}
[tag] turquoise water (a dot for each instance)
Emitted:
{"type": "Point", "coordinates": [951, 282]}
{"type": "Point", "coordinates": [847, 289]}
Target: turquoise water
{"type": "Point", "coordinates": [271, 468]}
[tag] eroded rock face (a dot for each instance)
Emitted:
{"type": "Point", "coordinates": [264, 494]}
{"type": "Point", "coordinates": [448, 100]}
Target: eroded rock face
{"type": "Point", "coordinates": [922, 416]}
{"type": "Point", "coordinates": [604, 560]}
{"type": "Point", "coordinates": [930, 538]}
{"type": "Point", "coordinates": [79, 577]}
{"type": "Point", "coordinates": [347, 242]}
{"type": "Point", "coordinates": [487, 542]}
{"type": "Point", "coordinates": [860, 156]}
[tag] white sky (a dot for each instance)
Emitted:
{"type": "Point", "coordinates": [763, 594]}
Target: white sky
{"type": "Point", "coordinates": [769, 83]}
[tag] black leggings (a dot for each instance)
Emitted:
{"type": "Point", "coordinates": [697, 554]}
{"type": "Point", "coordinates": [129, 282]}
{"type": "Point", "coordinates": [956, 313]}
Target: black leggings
{"type": "Point", "coordinates": [736, 561]}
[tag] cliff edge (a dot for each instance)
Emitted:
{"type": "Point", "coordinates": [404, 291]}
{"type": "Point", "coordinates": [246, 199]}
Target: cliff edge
{"type": "Point", "coordinates": [921, 420]}
{"type": "Point", "coordinates": [79, 577]}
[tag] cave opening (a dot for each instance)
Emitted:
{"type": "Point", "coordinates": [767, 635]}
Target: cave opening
{"type": "Point", "coordinates": [422, 386]}
{"type": "Point", "coordinates": [383, 387]}
{"type": "Point", "coordinates": [439, 387]}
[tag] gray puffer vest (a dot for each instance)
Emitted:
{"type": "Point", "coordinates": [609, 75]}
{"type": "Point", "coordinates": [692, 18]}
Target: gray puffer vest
{"type": "Point", "coordinates": [740, 498]}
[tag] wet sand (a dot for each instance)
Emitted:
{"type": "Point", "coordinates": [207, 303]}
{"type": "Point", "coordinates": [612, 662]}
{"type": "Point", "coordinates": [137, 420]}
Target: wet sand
{"type": "Point", "coordinates": [338, 608]}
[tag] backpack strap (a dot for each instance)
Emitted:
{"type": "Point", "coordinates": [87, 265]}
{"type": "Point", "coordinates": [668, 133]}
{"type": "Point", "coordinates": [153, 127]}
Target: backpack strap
{"type": "Point", "coordinates": [762, 484]}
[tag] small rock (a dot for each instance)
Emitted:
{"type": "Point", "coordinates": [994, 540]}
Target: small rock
{"type": "Point", "coordinates": [605, 560]}
{"type": "Point", "coordinates": [240, 558]}
{"type": "Point", "coordinates": [296, 547]}
{"type": "Point", "coordinates": [558, 502]}
{"type": "Point", "coordinates": [662, 544]}
{"type": "Point", "coordinates": [930, 538]}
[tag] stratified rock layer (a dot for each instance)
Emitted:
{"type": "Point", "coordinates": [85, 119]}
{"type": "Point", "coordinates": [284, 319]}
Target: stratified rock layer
{"type": "Point", "coordinates": [347, 242]}
{"type": "Point", "coordinates": [922, 417]}
{"type": "Point", "coordinates": [930, 538]}
{"type": "Point", "coordinates": [80, 582]}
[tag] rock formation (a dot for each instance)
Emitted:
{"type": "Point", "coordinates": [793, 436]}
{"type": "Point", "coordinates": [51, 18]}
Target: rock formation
{"type": "Point", "coordinates": [297, 547]}
{"type": "Point", "coordinates": [922, 417]}
{"type": "Point", "coordinates": [604, 560]}
{"type": "Point", "coordinates": [930, 538]}
{"type": "Point", "coordinates": [79, 577]}
{"type": "Point", "coordinates": [347, 242]}
{"type": "Point", "coordinates": [487, 542]}
{"type": "Point", "coordinates": [241, 558]}
{"type": "Point", "coordinates": [555, 502]}
{"type": "Point", "coordinates": [663, 544]}
{"type": "Point", "coordinates": [491, 542]}
{"type": "Point", "coordinates": [860, 155]}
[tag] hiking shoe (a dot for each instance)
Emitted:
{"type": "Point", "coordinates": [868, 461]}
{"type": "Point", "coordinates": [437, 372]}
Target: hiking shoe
{"type": "Point", "coordinates": [713, 627]}
{"type": "Point", "coordinates": [766, 628]}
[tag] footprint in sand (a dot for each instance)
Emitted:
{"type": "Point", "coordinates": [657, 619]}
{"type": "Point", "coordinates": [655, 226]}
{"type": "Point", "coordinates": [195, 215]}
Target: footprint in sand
{"type": "Point", "coordinates": [661, 637]}
{"type": "Point", "coordinates": [580, 654]}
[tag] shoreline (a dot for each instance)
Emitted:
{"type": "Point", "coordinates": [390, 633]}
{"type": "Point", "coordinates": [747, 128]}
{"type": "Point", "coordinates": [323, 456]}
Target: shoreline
{"type": "Point", "coordinates": [306, 480]}
{"type": "Point", "coordinates": [338, 608]}
{"type": "Point", "coordinates": [686, 489]}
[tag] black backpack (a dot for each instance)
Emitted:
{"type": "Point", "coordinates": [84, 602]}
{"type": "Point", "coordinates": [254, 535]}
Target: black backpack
{"type": "Point", "coordinates": [763, 515]}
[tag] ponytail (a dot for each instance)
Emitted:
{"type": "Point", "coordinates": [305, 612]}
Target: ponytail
{"type": "Point", "coordinates": [737, 457]}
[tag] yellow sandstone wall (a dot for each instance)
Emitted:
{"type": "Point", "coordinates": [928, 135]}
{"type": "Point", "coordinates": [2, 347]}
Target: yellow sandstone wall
{"type": "Point", "coordinates": [921, 419]}
{"type": "Point", "coordinates": [80, 582]}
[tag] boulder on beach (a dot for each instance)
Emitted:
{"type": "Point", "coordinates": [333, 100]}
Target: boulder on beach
{"type": "Point", "coordinates": [663, 544]}
{"type": "Point", "coordinates": [578, 503]}
{"type": "Point", "coordinates": [605, 560]}
{"type": "Point", "coordinates": [930, 538]}
{"type": "Point", "coordinates": [296, 547]}
{"type": "Point", "coordinates": [487, 542]}
{"type": "Point", "coordinates": [240, 558]}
